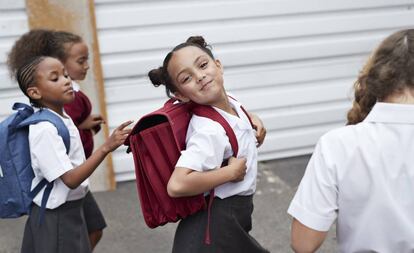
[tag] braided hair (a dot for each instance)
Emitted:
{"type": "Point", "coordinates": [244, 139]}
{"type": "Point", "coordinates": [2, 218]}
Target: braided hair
{"type": "Point", "coordinates": [26, 76]}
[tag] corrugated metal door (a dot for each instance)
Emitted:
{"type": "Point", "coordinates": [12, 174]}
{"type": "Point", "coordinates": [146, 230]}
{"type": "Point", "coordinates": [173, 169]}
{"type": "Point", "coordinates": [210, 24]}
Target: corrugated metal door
{"type": "Point", "coordinates": [291, 62]}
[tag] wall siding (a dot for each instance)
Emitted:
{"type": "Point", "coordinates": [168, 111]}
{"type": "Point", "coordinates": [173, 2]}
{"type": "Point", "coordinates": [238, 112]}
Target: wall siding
{"type": "Point", "coordinates": [13, 23]}
{"type": "Point", "coordinates": [291, 62]}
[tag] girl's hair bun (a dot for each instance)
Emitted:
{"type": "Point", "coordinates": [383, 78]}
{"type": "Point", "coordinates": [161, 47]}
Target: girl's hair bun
{"type": "Point", "coordinates": [198, 40]}
{"type": "Point", "coordinates": [156, 77]}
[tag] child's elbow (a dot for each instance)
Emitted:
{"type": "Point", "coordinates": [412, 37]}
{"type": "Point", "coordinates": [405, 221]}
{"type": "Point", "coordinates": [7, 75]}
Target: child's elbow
{"type": "Point", "coordinates": [71, 185]}
{"type": "Point", "coordinates": [300, 249]}
{"type": "Point", "coordinates": [67, 180]}
{"type": "Point", "coordinates": [174, 189]}
{"type": "Point", "coordinates": [302, 246]}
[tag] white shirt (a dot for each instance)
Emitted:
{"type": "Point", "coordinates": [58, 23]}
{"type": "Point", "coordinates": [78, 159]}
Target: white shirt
{"type": "Point", "coordinates": [50, 161]}
{"type": "Point", "coordinates": [75, 86]}
{"type": "Point", "coordinates": [208, 145]}
{"type": "Point", "coordinates": [363, 176]}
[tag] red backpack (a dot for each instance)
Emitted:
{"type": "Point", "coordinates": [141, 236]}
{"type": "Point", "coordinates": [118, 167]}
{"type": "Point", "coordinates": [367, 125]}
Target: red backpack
{"type": "Point", "coordinates": [156, 142]}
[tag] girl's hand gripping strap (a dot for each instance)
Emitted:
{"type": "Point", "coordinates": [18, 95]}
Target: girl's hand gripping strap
{"type": "Point", "coordinates": [209, 112]}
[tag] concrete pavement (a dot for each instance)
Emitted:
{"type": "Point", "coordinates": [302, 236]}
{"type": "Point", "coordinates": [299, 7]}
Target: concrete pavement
{"type": "Point", "coordinates": [127, 232]}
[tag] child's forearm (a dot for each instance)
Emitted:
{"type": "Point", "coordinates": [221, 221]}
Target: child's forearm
{"type": "Point", "coordinates": [187, 182]}
{"type": "Point", "coordinates": [74, 177]}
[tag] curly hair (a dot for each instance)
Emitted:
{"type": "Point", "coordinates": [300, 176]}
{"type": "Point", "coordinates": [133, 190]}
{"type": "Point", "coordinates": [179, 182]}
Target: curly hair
{"type": "Point", "coordinates": [389, 70]}
{"type": "Point", "coordinates": [160, 76]}
{"type": "Point", "coordinates": [40, 42]}
{"type": "Point", "coordinates": [62, 42]}
{"type": "Point", "coordinates": [29, 46]}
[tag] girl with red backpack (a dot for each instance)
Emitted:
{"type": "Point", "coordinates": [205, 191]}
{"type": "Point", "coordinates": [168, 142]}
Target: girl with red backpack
{"type": "Point", "coordinates": [192, 74]}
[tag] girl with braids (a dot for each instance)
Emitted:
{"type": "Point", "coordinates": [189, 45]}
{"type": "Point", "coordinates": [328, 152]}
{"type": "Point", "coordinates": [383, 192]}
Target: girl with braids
{"type": "Point", "coordinates": [191, 73]}
{"type": "Point", "coordinates": [72, 51]}
{"type": "Point", "coordinates": [362, 174]}
{"type": "Point", "coordinates": [46, 83]}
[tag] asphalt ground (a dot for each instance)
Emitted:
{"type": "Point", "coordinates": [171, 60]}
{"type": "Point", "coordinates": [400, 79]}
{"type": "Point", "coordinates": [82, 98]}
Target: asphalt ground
{"type": "Point", "coordinates": [127, 232]}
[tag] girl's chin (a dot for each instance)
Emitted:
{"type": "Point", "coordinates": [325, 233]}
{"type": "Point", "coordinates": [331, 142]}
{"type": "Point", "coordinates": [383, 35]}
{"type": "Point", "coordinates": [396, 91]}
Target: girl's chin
{"type": "Point", "coordinates": [82, 77]}
{"type": "Point", "coordinates": [70, 99]}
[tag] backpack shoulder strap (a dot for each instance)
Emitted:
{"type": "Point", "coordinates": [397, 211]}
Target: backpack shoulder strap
{"type": "Point", "coordinates": [245, 112]}
{"type": "Point", "coordinates": [209, 112]}
{"type": "Point", "coordinates": [22, 106]}
{"type": "Point", "coordinates": [46, 115]}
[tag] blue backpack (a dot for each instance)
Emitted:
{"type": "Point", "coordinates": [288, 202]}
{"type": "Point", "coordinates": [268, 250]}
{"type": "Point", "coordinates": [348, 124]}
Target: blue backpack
{"type": "Point", "coordinates": [16, 173]}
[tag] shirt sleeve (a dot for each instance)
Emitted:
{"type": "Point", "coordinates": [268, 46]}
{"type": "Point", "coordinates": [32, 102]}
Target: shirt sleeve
{"type": "Point", "coordinates": [207, 146]}
{"type": "Point", "coordinates": [48, 152]}
{"type": "Point", "coordinates": [315, 202]}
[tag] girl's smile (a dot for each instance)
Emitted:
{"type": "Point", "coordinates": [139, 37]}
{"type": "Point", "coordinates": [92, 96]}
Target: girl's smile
{"type": "Point", "coordinates": [197, 77]}
{"type": "Point", "coordinates": [206, 85]}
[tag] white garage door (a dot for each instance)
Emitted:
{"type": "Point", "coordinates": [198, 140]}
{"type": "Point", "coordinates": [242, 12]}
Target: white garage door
{"type": "Point", "coordinates": [291, 62]}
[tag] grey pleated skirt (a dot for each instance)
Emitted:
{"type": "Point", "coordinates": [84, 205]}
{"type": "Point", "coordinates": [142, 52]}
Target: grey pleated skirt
{"type": "Point", "coordinates": [230, 225]}
{"type": "Point", "coordinates": [63, 230]}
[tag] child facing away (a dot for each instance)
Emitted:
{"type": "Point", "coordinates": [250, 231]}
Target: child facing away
{"type": "Point", "coordinates": [191, 73]}
{"type": "Point", "coordinates": [46, 83]}
{"type": "Point", "coordinates": [72, 51]}
{"type": "Point", "coordinates": [362, 174]}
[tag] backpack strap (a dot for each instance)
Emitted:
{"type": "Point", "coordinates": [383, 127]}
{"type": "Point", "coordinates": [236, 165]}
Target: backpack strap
{"type": "Point", "coordinates": [23, 107]}
{"type": "Point", "coordinates": [209, 112]}
{"type": "Point", "coordinates": [46, 115]}
{"type": "Point", "coordinates": [45, 196]}
{"type": "Point", "coordinates": [245, 112]}
{"type": "Point", "coordinates": [40, 116]}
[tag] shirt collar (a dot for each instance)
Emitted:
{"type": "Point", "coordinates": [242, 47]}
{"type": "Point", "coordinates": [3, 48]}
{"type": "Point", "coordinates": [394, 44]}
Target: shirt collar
{"type": "Point", "coordinates": [65, 118]}
{"type": "Point", "coordinates": [391, 113]}
{"type": "Point", "coordinates": [75, 86]}
{"type": "Point", "coordinates": [241, 121]}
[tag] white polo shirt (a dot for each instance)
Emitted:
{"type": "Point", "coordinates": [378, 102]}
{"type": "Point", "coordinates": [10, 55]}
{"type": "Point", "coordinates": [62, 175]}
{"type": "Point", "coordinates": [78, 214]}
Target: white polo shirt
{"type": "Point", "coordinates": [208, 145]}
{"type": "Point", "coordinates": [50, 161]}
{"type": "Point", "coordinates": [363, 176]}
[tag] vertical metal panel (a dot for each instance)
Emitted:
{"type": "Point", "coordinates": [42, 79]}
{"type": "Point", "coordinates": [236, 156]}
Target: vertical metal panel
{"type": "Point", "coordinates": [13, 23]}
{"type": "Point", "coordinates": [78, 17]}
{"type": "Point", "coordinates": [291, 62]}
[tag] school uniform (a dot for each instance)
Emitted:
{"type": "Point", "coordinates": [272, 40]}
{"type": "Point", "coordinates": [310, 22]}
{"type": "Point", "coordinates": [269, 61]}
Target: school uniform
{"type": "Point", "coordinates": [207, 147]}
{"type": "Point", "coordinates": [79, 110]}
{"type": "Point", "coordinates": [63, 228]}
{"type": "Point", "coordinates": [362, 176]}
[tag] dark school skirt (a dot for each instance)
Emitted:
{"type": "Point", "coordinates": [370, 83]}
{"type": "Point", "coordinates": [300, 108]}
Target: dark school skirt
{"type": "Point", "coordinates": [63, 230]}
{"type": "Point", "coordinates": [93, 216]}
{"type": "Point", "coordinates": [230, 224]}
